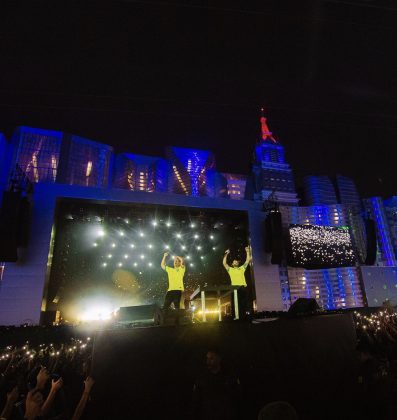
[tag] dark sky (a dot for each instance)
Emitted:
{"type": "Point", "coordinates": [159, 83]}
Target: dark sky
{"type": "Point", "coordinates": [140, 75]}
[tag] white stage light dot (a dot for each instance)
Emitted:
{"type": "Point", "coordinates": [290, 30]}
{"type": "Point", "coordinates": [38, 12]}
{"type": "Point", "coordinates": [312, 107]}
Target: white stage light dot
{"type": "Point", "coordinates": [168, 224]}
{"type": "Point", "coordinates": [135, 264]}
{"type": "Point", "coordinates": [196, 236]}
{"type": "Point", "coordinates": [132, 246]}
{"type": "Point", "coordinates": [188, 257]}
{"type": "Point", "coordinates": [192, 225]}
{"type": "Point", "coordinates": [150, 264]}
{"type": "Point", "coordinates": [191, 265]}
{"type": "Point", "coordinates": [101, 232]}
{"type": "Point", "coordinates": [167, 247]}
{"type": "Point", "coordinates": [211, 236]}
{"type": "Point", "coordinates": [126, 256]}
{"type": "Point", "coordinates": [183, 247]}
{"type": "Point", "coordinates": [213, 248]}
{"type": "Point", "coordinates": [154, 223]}
{"type": "Point", "coordinates": [113, 245]}
{"type": "Point", "coordinates": [95, 244]}
{"type": "Point", "coordinates": [141, 234]}
{"type": "Point", "coordinates": [199, 247]}
{"type": "Point", "coordinates": [202, 257]}
{"type": "Point", "coordinates": [150, 246]}
{"type": "Point", "coordinates": [110, 255]}
{"type": "Point", "coordinates": [127, 221]}
{"type": "Point", "coordinates": [120, 264]}
{"type": "Point", "coordinates": [142, 257]}
{"type": "Point", "coordinates": [104, 264]}
{"type": "Point", "coordinates": [178, 235]}
{"type": "Point", "coordinates": [121, 233]}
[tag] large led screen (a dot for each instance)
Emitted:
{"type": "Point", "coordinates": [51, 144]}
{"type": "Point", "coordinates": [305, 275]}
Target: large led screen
{"type": "Point", "coordinates": [312, 246]}
{"type": "Point", "coordinates": [107, 255]}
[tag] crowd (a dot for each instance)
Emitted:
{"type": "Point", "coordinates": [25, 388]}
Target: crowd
{"type": "Point", "coordinates": [377, 368]}
{"type": "Point", "coordinates": [52, 380]}
{"type": "Point", "coordinates": [46, 381]}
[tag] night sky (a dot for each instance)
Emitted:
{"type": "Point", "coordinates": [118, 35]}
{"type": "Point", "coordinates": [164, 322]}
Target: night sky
{"type": "Point", "coordinates": [141, 75]}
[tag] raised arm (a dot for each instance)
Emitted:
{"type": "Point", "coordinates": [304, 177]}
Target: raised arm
{"type": "Point", "coordinates": [225, 264]}
{"type": "Point", "coordinates": [163, 260]}
{"type": "Point", "coordinates": [88, 384]}
{"type": "Point", "coordinates": [249, 256]}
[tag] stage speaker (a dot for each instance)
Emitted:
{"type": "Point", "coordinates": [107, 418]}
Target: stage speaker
{"type": "Point", "coordinates": [303, 306]}
{"type": "Point", "coordinates": [277, 237]}
{"type": "Point", "coordinates": [9, 215]}
{"type": "Point", "coordinates": [143, 314]}
{"type": "Point", "coordinates": [371, 242]}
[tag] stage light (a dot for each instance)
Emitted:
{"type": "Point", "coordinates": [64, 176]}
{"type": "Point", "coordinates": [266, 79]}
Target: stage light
{"type": "Point", "coordinates": [101, 232]}
{"type": "Point", "coordinates": [154, 223]}
{"type": "Point", "coordinates": [167, 247]}
{"type": "Point", "coordinates": [141, 234]}
{"type": "Point", "coordinates": [120, 264]}
{"type": "Point", "coordinates": [140, 272]}
{"type": "Point", "coordinates": [213, 248]}
{"type": "Point", "coordinates": [110, 255]}
{"type": "Point", "coordinates": [113, 245]}
{"type": "Point", "coordinates": [196, 236]}
{"type": "Point", "coordinates": [132, 246]}
{"type": "Point", "coordinates": [199, 247]}
{"type": "Point", "coordinates": [135, 264]}
{"type": "Point", "coordinates": [211, 236]}
{"type": "Point", "coordinates": [95, 244]}
{"type": "Point", "coordinates": [150, 246]}
{"type": "Point", "coordinates": [183, 247]}
{"type": "Point", "coordinates": [127, 221]}
{"type": "Point", "coordinates": [202, 257]}
{"type": "Point", "coordinates": [97, 312]}
{"type": "Point", "coordinates": [192, 225]}
{"type": "Point", "coordinates": [168, 224]}
{"type": "Point", "coordinates": [126, 256]}
{"type": "Point", "coordinates": [188, 257]}
{"type": "Point", "coordinates": [178, 235]}
{"type": "Point", "coordinates": [191, 265]}
{"type": "Point", "coordinates": [150, 264]}
{"type": "Point", "coordinates": [121, 233]}
{"type": "Point", "coordinates": [104, 264]}
{"type": "Point", "coordinates": [142, 257]}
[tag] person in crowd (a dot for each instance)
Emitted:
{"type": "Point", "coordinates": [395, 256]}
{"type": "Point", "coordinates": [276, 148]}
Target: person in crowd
{"type": "Point", "coordinates": [216, 393]}
{"type": "Point", "coordinates": [278, 410]}
{"type": "Point", "coordinates": [175, 281]}
{"type": "Point", "coordinates": [237, 278]}
{"type": "Point", "coordinates": [88, 384]}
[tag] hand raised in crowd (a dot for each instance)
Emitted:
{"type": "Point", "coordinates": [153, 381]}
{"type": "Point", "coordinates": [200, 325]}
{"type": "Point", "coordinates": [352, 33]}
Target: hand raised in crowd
{"type": "Point", "coordinates": [42, 378]}
{"type": "Point", "coordinates": [166, 254]}
{"type": "Point", "coordinates": [227, 251]}
{"type": "Point", "coordinates": [13, 395]}
{"type": "Point", "coordinates": [56, 385]}
{"type": "Point", "coordinates": [34, 401]}
{"type": "Point", "coordinates": [88, 384]}
{"type": "Point", "coordinates": [247, 249]}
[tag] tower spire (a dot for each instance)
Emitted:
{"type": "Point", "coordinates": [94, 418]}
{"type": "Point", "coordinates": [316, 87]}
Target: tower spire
{"type": "Point", "coordinates": [266, 133]}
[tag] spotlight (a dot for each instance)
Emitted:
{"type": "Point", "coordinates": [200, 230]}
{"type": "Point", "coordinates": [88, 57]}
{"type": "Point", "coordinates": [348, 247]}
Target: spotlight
{"type": "Point", "coordinates": [192, 225]}
{"type": "Point", "coordinates": [191, 265]}
{"type": "Point", "coordinates": [183, 247]}
{"type": "Point", "coordinates": [168, 224]}
{"type": "Point", "coordinates": [178, 235]}
{"type": "Point", "coordinates": [211, 236]}
{"type": "Point", "coordinates": [188, 257]}
{"type": "Point", "coordinates": [95, 244]}
{"type": "Point", "coordinates": [127, 221]}
{"type": "Point", "coordinates": [132, 246]}
{"type": "Point", "coordinates": [120, 264]}
{"type": "Point", "coordinates": [121, 233]}
{"type": "Point", "coordinates": [140, 272]}
{"type": "Point", "coordinates": [104, 264]}
{"type": "Point", "coordinates": [196, 236]}
{"type": "Point", "coordinates": [154, 223]}
{"type": "Point", "coordinates": [150, 264]}
{"type": "Point", "coordinates": [110, 255]}
{"type": "Point", "coordinates": [167, 247]}
{"type": "Point", "coordinates": [141, 234]}
{"type": "Point", "coordinates": [113, 245]}
{"type": "Point", "coordinates": [142, 257]}
{"type": "Point", "coordinates": [202, 257]}
{"type": "Point", "coordinates": [213, 248]}
{"type": "Point", "coordinates": [101, 232]}
{"type": "Point", "coordinates": [150, 246]}
{"type": "Point", "coordinates": [135, 264]}
{"type": "Point", "coordinates": [126, 256]}
{"type": "Point", "coordinates": [199, 247]}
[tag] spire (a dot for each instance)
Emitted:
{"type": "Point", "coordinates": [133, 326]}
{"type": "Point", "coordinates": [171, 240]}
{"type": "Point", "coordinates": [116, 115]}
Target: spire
{"type": "Point", "coordinates": [266, 133]}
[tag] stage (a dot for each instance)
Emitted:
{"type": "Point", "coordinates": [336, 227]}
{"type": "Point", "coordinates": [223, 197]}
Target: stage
{"type": "Point", "coordinates": [149, 372]}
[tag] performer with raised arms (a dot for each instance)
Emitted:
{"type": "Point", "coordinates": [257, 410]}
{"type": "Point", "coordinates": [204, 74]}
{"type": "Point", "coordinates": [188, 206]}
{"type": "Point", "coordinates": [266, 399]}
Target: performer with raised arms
{"type": "Point", "coordinates": [175, 281]}
{"type": "Point", "coordinates": [237, 278]}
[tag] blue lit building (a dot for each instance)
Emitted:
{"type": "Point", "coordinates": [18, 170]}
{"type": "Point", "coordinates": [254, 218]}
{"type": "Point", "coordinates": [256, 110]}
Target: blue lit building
{"type": "Point", "coordinates": [319, 190]}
